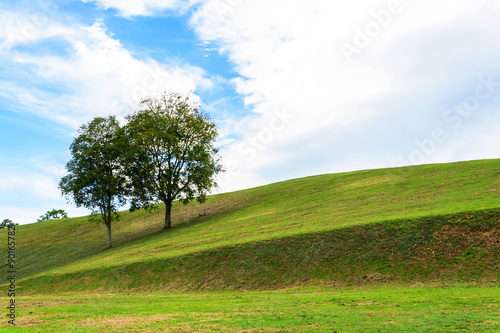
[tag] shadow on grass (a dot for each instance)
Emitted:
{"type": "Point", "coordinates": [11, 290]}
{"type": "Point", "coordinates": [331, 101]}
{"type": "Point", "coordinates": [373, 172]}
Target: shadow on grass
{"type": "Point", "coordinates": [212, 211]}
{"type": "Point", "coordinates": [460, 247]}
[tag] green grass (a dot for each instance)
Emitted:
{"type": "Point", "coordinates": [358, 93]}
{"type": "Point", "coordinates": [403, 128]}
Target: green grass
{"type": "Point", "coordinates": [375, 309]}
{"type": "Point", "coordinates": [299, 206]}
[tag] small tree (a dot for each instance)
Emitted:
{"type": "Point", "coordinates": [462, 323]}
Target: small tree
{"type": "Point", "coordinates": [95, 180]}
{"type": "Point", "coordinates": [7, 223]}
{"type": "Point", "coordinates": [171, 154]}
{"type": "Point", "coordinates": [54, 214]}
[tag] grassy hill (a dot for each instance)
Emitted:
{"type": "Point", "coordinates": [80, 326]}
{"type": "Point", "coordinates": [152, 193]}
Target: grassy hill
{"type": "Point", "coordinates": [422, 223]}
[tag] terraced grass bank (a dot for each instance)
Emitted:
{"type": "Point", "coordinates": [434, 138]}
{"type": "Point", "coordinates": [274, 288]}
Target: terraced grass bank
{"type": "Point", "coordinates": [463, 247]}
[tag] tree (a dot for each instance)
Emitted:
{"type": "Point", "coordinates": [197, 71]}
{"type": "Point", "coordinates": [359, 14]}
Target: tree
{"type": "Point", "coordinates": [6, 223]}
{"type": "Point", "coordinates": [54, 214]}
{"type": "Point", "coordinates": [96, 180]}
{"type": "Point", "coordinates": [171, 153]}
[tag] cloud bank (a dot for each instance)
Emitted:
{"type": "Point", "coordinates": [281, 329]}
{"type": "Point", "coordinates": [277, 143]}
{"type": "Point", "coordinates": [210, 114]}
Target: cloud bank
{"type": "Point", "coordinates": [364, 83]}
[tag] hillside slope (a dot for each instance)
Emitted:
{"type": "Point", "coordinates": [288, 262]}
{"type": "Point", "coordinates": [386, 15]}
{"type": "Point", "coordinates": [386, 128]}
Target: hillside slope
{"type": "Point", "coordinates": [452, 248]}
{"type": "Point", "coordinates": [301, 206]}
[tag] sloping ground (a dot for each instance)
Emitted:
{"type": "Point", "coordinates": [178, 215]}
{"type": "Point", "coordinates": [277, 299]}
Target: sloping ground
{"type": "Point", "coordinates": [461, 247]}
{"type": "Point", "coordinates": [301, 206]}
{"type": "Point", "coordinates": [44, 245]}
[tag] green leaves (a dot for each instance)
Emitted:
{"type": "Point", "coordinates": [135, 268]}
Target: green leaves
{"type": "Point", "coordinates": [54, 214]}
{"type": "Point", "coordinates": [95, 177]}
{"type": "Point", "coordinates": [171, 152]}
{"type": "Point", "coordinates": [6, 223]}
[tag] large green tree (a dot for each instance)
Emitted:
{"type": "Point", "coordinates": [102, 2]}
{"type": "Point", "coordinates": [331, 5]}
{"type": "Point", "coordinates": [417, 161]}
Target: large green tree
{"type": "Point", "coordinates": [171, 153]}
{"type": "Point", "coordinates": [95, 177]}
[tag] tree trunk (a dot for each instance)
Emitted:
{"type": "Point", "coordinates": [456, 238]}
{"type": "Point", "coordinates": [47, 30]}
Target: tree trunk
{"type": "Point", "coordinates": [109, 217]}
{"type": "Point", "coordinates": [108, 226]}
{"type": "Point", "coordinates": [168, 214]}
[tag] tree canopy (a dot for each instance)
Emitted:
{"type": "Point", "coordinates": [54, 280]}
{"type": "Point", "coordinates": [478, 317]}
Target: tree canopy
{"type": "Point", "coordinates": [171, 153]}
{"type": "Point", "coordinates": [54, 214]}
{"type": "Point", "coordinates": [95, 177]}
{"type": "Point", "coordinates": [6, 223]}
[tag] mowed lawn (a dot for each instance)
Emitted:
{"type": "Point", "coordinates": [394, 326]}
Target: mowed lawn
{"type": "Point", "coordinates": [375, 309]}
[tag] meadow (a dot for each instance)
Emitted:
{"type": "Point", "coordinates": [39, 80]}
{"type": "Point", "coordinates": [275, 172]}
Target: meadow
{"type": "Point", "coordinates": [370, 309]}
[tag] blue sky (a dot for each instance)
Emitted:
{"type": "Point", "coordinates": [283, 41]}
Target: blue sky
{"type": "Point", "coordinates": [297, 87]}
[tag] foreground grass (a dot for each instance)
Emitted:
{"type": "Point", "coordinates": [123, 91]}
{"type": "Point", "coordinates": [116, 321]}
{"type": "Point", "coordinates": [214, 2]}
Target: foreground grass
{"type": "Point", "coordinates": [375, 309]}
{"type": "Point", "coordinates": [299, 206]}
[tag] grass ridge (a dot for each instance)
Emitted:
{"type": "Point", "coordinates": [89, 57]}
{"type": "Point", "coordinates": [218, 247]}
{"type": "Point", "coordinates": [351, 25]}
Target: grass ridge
{"type": "Point", "coordinates": [459, 247]}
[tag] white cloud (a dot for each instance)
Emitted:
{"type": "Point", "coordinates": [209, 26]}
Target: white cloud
{"type": "Point", "coordinates": [19, 215]}
{"type": "Point", "coordinates": [98, 77]}
{"type": "Point", "coordinates": [128, 8]}
{"type": "Point", "coordinates": [288, 55]}
{"type": "Point", "coordinates": [21, 28]}
{"type": "Point", "coordinates": [36, 184]}
{"type": "Point", "coordinates": [30, 190]}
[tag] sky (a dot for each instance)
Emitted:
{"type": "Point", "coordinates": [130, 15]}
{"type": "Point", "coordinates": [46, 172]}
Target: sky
{"type": "Point", "coordinates": [296, 87]}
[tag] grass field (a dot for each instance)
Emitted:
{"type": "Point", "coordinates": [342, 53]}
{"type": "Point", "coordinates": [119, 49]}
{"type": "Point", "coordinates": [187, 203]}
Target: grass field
{"type": "Point", "coordinates": [298, 255]}
{"type": "Point", "coordinates": [375, 309]}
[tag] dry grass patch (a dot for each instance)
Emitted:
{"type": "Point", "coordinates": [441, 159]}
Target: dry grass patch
{"type": "Point", "coordinates": [123, 321]}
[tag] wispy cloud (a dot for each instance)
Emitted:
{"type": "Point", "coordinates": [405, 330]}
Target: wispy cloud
{"type": "Point", "coordinates": [129, 8]}
{"type": "Point", "coordinates": [97, 77]}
